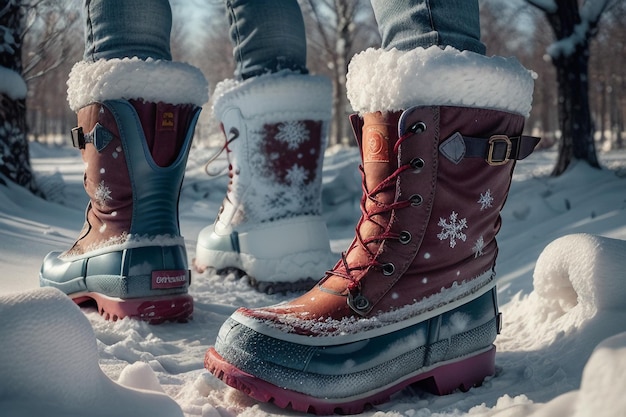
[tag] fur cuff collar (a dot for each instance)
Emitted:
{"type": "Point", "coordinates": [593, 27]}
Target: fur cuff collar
{"type": "Point", "coordinates": [133, 78]}
{"type": "Point", "coordinates": [393, 80]}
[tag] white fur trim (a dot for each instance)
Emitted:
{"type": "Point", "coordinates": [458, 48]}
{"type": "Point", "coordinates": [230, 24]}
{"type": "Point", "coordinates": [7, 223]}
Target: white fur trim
{"type": "Point", "coordinates": [133, 78]}
{"type": "Point", "coordinates": [393, 80]}
{"type": "Point", "coordinates": [277, 97]}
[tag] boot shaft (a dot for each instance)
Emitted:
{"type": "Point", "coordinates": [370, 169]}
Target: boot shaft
{"type": "Point", "coordinates": [276, 128]}
{"type": "Point", "coordinates": [135, 155]}
{"type": "Point", "coordinates": [447, 198]}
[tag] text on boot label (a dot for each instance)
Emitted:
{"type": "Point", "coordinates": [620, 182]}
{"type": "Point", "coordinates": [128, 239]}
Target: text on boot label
{"type": "Point", "coordinates": [169, 279]}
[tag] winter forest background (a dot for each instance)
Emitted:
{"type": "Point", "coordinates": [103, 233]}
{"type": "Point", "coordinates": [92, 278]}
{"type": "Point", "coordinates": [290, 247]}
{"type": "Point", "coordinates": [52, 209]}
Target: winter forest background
{"type": "Point", "coordinates": [562, 352]}
{"type": "Point", "coordinates": [577, 49]}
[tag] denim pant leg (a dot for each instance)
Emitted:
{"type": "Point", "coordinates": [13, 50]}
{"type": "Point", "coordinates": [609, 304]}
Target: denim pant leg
{"type": "Point", "coordinates": [267, 36]}
{"type": "Point", "coordinates": [408, 24]}
{"type": "Point", "coordinates": [127, 28]}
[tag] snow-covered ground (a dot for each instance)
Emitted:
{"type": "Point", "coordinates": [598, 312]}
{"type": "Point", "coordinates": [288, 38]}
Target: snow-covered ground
{"type": "Point", "coordinates": [562, 286]}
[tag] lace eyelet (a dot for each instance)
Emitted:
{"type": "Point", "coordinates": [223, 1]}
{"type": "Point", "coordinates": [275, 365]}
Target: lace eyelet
{"type": "Point", "coordinates": [417, 127]}
{"type": "Point", "coordinates": [388, 269]}
{"type": "Point", "coordinates": [417, 164]}
{"type": "Point", "coordinates": [416, 200]}
{"type": "Point", "coordinates": [360, 302]}
{"type": "Point", "coordinates": [405, 237]}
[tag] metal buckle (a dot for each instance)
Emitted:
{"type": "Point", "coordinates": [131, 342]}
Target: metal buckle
{"type": "Point", "coordinates": [78, 138]}
{"type": "Point", "coordinates": [493, 142]}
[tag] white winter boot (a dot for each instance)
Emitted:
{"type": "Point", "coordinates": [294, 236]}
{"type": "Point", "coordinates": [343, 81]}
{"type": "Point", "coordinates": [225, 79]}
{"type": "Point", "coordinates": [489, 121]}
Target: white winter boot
{"type": "Point", "coordinates": [270, 223]}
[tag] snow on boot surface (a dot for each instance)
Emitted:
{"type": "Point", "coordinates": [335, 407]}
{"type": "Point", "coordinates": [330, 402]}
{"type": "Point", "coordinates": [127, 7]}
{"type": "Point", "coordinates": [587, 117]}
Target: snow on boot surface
{"type": "Point", "coordinates": [130, 257]}
{"type": "Point", "coordinates": [270, 224]}
{"type": "Point", "coordinates": [50, 365]}
{"type": "Point", "coordinates": [413, 298]}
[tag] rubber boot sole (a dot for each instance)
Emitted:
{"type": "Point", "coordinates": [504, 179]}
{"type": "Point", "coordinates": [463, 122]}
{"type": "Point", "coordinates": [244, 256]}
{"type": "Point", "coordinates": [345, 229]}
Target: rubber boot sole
{"type": "Point", "coordinates": [154, 310]}
{"type": "Point", "coordinates": [441, 379]}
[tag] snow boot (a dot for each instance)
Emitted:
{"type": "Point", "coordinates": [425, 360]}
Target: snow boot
{"type": "Point", "coordinates": [270, 223]}
{"type": "Point", "coordinates": [130, 257]}
{"type": "Point", "coordinates": [413, 298]}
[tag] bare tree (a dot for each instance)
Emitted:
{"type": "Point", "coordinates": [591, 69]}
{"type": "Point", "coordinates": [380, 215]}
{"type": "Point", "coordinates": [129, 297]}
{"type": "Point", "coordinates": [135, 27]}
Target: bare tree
{"type": "Point", "coordinates": [336, 31]}
{"type": "Point", "coordinates": [14, 154]}
{"type": "Point", "coordinates": [53, 42]}
{"type": "Point", "coordinates": [607, 80]}
{"type": "Point", "coordinates": [573, 28]}
{"type": "Point", "coordinates": [206, 45]}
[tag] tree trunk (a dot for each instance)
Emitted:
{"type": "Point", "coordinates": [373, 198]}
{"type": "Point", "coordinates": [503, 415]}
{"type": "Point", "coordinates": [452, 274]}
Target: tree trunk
{"type": "Point", "coordinates": [574, 114]}
{"type": "Point", "coordinates": [572, 67]}
{"type": "Point", "coordinates": [14, 154]}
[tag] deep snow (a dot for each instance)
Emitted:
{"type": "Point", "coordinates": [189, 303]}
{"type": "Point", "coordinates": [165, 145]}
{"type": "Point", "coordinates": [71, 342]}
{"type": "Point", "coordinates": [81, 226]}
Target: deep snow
{"type": "Point", "coordinates": [562, 351]}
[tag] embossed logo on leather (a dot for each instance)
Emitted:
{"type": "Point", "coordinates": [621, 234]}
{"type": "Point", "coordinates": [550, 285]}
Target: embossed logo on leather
{"type": "Point", "coordinates": [376, 147]}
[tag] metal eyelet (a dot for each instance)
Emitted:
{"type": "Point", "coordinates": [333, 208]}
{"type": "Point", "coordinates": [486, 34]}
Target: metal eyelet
{"type": "Point", "coordinates": [417, 164]}
{"type": "Point", "coordinates": [388, 269]}
{"type": "Point", "coordinates": [405, 237]}
{"type": "Point", "coordinates": [416, 200]}
{"type": "Point", "coordinates": [417, 127]}
{"type": "Point", "coordinates": [360, 302]}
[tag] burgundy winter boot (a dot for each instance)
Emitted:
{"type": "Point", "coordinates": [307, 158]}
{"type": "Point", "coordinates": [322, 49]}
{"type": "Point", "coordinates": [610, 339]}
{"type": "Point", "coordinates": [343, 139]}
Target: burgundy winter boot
{"type": "Point", "coordinates": [130, 257]}
{"type": "Point", "coordinates": [270, 224]}
{"type": "Point", "coordinates": [413, 299]}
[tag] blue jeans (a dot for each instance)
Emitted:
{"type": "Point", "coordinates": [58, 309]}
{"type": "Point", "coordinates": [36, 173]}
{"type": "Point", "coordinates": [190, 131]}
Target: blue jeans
{"type": "Point", "coordinates": [269, 35]}
{"type": "Point", "coordinates": [123, 28]}
{"type": "Point", "coordinates": [408, 24]}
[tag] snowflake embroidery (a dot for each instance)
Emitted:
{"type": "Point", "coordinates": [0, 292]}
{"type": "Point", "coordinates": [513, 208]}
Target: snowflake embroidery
{"type": "Point", "coordinates": [485, 200]}
{"type": "Point", "coordinates": [296, 176]}
{"type": "Point", "coordinates": [478, 247]}
{"type": "Point", "coordinates": [292, 133]}
{"type": "Point", "coordinates": [102, 194]}
{"type": "Point", "coordinates": [452, 230]}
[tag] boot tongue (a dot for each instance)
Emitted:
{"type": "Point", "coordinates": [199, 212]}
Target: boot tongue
{"type": "Point", "coordinates": [379, 162]}
{"type": "Point", "coordinates": [378, 140]}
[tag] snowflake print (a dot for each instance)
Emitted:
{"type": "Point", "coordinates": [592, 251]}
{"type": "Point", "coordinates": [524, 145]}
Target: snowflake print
{"type": "Point", "coordinates": [478, 247]}
{"type": "Point", "coordinates": [452, 230]}
{"type": "Point", "coordinates": [293, 134]}
{"type": "Point", "coordinates": [102, 194]}
{"type": "Point", "coordinates": [296, 176]}
{"type": "Point", "coordinates": [485, 200]}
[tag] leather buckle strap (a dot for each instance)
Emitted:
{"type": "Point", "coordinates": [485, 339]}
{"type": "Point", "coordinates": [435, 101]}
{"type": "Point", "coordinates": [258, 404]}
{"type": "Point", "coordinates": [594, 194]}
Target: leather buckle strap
{"type": "Point", "coordinates": [496, 150]}
{"type": "Point", "coordinates": [499, 150]}
{"type": "Point", "coordinates": [100, 137]}
{"type": "Point", "coordinates": [78, 138]}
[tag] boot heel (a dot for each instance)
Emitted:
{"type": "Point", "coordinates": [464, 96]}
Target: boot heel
{"type": "Point", "coordinates": [464, 374]}
{"type": "Point", "coordinates": [154, 310]}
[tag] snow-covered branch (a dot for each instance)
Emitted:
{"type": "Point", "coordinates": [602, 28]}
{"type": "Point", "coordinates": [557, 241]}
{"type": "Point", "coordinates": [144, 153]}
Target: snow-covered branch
{"type": "Point", "coordinates": [590, 13]}
{"type": "Point", "coordinates": [548, 6]}
{"type": "Point", "coordinates": [12, 84]}
{"type": "Point", "coordinates": [591, 10]}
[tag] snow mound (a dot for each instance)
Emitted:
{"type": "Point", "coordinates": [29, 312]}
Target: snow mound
{"type": "Point", "coordinates": [141, 376]}
{"type": "Point", "coordinates": [602, 384]}
{"type": "Point", "coordinates": [581, 272]}
{"type": "Point", "coordinates": [578, 280]}
{"type": "Point", "coordinates": [604, 379]}
{"type": "Point", "coordinates": [576, 304]}
{"type": "Point", "coordinates": [50, 365]}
